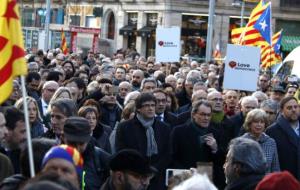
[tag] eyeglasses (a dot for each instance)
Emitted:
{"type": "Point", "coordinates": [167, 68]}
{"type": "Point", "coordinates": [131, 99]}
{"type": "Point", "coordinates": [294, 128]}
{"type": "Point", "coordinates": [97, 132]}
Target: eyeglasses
{"type": "Point", "coordinates": [217, 99]}
{"type": "Point", "coordinates": [204, 114]}
{"type": "Point", "coordinates": [270, 112]}
{"type": "Point", "coordinates": [148, 105]}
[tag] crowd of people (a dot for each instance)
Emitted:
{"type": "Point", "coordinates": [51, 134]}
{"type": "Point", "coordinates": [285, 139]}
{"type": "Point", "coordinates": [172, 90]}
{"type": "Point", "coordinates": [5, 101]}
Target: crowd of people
{"type": "Point", "coordinates": [117, 123]}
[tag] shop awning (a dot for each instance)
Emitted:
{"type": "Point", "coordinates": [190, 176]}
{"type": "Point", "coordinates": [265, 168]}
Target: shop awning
{"type": "Point", "coordinates": [289, 43]}
{"type": "Point", "coordinates": [127, 30]}
{"type": "Point", "coordinates": [146, 31]}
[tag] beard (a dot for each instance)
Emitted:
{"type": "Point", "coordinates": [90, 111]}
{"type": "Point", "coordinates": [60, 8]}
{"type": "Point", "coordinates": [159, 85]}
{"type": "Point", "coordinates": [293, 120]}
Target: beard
{"type": "Point", "coordinates": [135, 84]}
{"type": "Point", "coordinates": [127, 186]}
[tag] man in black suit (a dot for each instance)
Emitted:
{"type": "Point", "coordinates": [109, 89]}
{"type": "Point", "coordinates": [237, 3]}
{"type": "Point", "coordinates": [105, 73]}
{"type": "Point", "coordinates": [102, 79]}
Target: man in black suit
{"type": "Point", "coordinates": [147, 135]}
{"type": "Point", "coordinates": [48, 90]}
{"type": "Point", "coordinates": [285, 131]}
{"type": "Point", "coordinates": [160, 109]}
{"type": "Point", "coordinates": [197, 141]}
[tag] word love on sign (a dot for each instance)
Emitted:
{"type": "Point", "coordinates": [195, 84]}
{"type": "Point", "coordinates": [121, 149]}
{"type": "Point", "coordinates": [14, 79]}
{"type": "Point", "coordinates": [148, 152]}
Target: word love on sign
{"type": "Point", "coordinates": [241, 68]}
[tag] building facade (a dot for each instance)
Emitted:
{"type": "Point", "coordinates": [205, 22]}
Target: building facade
{"type": "Point", "coordinates": [132, 23]}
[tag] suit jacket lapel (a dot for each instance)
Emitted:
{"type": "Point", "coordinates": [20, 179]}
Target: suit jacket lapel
{"type": "Point", "coordinates": [287, 129]}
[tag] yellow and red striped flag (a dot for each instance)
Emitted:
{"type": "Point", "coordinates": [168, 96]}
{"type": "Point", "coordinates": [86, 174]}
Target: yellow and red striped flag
{"type": "Point", "coordinates": [270, 55]}
{"type": "Point", "coordinates": [63, 45]}
{"type": "Point", "coordinates": [12, 52]}
{"type": "Point", "coordinates": [248, 35]}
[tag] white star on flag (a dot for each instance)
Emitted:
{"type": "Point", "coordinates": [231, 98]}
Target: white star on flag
{"type": "Point", "coordinates": [263, 25]}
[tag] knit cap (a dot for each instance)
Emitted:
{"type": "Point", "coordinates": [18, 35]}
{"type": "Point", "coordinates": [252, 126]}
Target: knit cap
{"type": "Point", "coordinates": [278, 181]}
{"type": "Point", "coordinates": [67, 153]}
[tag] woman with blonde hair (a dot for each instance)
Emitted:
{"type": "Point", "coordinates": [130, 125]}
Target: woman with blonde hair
{"type": "Point", "coordinates": [255, 125]}
{"type": "Point", "coordinates": [36, 126]}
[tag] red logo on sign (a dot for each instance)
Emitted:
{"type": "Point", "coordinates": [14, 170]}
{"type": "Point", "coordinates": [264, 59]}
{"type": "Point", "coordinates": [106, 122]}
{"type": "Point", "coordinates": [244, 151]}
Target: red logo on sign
{"type": "Point", "coordinates": [161, 43]}
{"type": "Point", "coordinates": [232, 64]}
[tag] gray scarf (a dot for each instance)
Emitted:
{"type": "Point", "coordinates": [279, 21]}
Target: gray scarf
{"type": "Point", "coordinates": [151, 142]}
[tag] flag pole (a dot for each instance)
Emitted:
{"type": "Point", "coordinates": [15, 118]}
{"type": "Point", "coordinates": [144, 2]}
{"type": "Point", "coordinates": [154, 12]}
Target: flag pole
{"type": "Point", "coordinates": [29, 144]}
{"type": "Point", "coordinates": [271, 40]}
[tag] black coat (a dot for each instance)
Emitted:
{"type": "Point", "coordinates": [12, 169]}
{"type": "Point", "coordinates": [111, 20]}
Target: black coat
{"type": "Point", "coordinates": [184, 108]}
{"type": "Point", "coordinates": [96, 166]}
{"type": "Point", "coordinates": [101, 134]}
{"type": "Point", "coordinates": [110, 117]}
{"type": "Point", "coordinates": [238, 121]}
{"type": "Point", "coordinates": [183, 98]}
{"type": "Point", "coordinates": [132, 135]}
{"type": "Point", "coordinates": [187, 148]}
{"type": "Point", "coordinates": [170, 119]}
{"type": "Point", "coordinates": [184, 117]}
{"type": "Point", "coordinates": [288, 145]}
{"type": "Point", "coordinates": [245, 183]}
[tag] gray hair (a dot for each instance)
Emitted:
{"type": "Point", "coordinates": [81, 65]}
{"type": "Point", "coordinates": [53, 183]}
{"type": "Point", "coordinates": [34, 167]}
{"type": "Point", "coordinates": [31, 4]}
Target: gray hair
{"type": "Point", "coordinates": [260, 94]}
{"type": "Point", "coordinates": [197, 104]}
{"type": "Point", "coordinates": [150, 79]}
{"type": "Point", "coordinates": [197, 181]}
{"type": "Point", "coordinates": [193, 76]}
{"type": "Point", "coordinates": [249, 99]}
{"type": "Point", "coordinates": [271, 104]}
{"type": "Point", "coordinates": [66, 106]}
{"type": "Point", "coordinates": [131, 96]}
{"type": "Point", "coordinates": [249, 154]}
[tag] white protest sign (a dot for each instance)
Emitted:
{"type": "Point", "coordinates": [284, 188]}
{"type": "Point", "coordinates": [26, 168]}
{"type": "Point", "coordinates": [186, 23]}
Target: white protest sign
{"type": "Point", "coordinates": [241, 67]}
{"type": "Point", "coordinates": [167, 45]}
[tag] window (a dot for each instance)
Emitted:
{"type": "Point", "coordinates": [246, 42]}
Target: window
{"type": "Point", "coordinates": [57, 16]}
{"type": "Point", "coordinates": [193, 33]}
{"type": "Point", "coordinates": [28, 17]}
{"type": "Point", "coordinates": [91, 22]}
{"type": "Point", "coordinates": [152, 19]}
{"type": "Point", "coordinates": [290, 3]}
{"type": "Point", "coordinates": [75, 20]}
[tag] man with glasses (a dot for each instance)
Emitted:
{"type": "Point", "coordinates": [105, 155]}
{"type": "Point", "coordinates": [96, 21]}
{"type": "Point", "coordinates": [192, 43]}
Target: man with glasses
{"type": "Point", "coordinates": [48, 90]}
{"type": "Point", "coordinates": [184, 114]}
{"type": "Point", "coordinates": [148, 135]}
{"type": "Point", "coordinates": [196, 141]}
{"type": "Point", "coordinates": [160, 109]}
{"type": "Point", "coordinates": [129, 171]}
{"type": "Point", "coordinates": [225, 128]}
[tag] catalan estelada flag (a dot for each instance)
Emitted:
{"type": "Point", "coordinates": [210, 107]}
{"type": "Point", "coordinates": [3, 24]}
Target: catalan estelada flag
{"type": "Point", "coordinates": [12, 52]}
{"type": "Point", "coordinates": [249, 35]}
{"type": "Point", "coordinates": [270, 55]}
{"type": "Point", "coordinates": [63, 45]}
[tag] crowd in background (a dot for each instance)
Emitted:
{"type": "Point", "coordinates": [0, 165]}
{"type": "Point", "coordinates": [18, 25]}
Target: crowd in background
{"type": "Point", "coordinates": [119, 122]}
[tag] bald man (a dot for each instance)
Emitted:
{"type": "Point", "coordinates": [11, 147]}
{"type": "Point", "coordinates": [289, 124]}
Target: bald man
{"type": "Point", "coordinates": [137, 77]}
